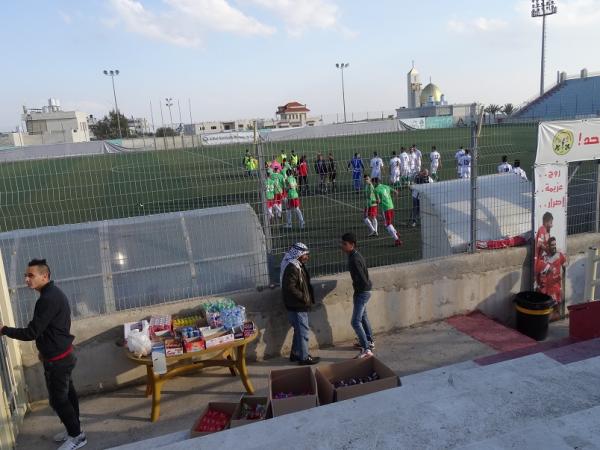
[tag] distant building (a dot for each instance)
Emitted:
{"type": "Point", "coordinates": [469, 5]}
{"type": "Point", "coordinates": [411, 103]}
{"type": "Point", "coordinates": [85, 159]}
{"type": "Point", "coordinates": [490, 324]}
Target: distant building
{"type": "Point", "coordinates": [137, 126]}
{"type": "Point", "coordinates": [290, 115]}
{"type": "Point", "coordinates": [293, 114]}
{"type": "Point", "coordinates": [50, 125]}
{"type": "Point", "coordinates": [430, 101]}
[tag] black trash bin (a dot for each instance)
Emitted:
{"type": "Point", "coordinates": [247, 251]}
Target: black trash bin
{"type": "Point", "coordinates": [533, 313]}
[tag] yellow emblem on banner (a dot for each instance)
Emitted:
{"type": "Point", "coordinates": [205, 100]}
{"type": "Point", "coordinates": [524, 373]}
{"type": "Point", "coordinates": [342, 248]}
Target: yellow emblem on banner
{"type": "Point", "coordinates": [562, 142]}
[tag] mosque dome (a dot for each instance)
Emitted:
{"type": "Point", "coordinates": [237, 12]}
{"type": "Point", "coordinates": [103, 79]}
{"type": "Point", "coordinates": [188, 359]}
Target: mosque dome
{"type": "Point", "coordinates": [431, 90]}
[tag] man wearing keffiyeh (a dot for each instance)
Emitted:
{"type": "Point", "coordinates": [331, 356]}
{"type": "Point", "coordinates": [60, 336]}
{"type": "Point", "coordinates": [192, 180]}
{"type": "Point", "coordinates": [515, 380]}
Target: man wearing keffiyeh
{"type": "Point", "coordinates": [298, 297]}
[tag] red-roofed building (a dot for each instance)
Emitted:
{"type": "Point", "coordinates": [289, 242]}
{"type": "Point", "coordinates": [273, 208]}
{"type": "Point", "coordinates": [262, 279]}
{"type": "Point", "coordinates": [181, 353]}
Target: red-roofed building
{"type": "Point", "coordinates": [293, 114]}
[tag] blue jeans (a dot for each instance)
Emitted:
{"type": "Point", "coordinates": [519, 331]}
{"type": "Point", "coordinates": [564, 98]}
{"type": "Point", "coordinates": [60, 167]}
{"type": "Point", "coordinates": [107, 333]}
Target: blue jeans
{"type": "Point", "coordinates": [299, 321]}
{"type": "Point", "coordinates": [360, 320]}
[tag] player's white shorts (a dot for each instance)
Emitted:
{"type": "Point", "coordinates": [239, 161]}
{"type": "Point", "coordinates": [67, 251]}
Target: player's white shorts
{"type": "Point", "coordinates": [434, 168]}
{"type": "Point", "coordinates": [395, 177]}
{"type": "Point", "coordinates": [465, 173]}
{"type": "Point", "coordinates": [376, 174]}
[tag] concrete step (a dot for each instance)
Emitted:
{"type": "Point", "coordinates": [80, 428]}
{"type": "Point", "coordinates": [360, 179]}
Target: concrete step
{"type": "Point", "coordinates": [456, 406]}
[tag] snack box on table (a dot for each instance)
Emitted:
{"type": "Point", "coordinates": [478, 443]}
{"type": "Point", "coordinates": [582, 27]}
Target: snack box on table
{"type": "Point", "coordinates": [218, 340]}
{"type": "Point", "coordinates": [237, 420]}
{"type": "Point", "coordinates": [173, 347]}
{"type": "Point", "coordinates": [299, 381]}
{"type": "Point", "coordinates": [327, 375]}
{"type": "Point", "coordinates": [224, 407]}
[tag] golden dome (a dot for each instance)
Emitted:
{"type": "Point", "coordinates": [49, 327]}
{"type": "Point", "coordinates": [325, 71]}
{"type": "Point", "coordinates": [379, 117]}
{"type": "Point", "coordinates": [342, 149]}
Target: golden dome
{"type": "Point", "coordinates": [431, 90]}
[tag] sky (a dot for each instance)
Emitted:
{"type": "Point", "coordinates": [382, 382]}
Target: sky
{"type": "Point", "coordinates": [237, 59]}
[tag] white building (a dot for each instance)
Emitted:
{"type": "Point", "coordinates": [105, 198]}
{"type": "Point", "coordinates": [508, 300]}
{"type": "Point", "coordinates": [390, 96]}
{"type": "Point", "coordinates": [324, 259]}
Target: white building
{"type": "Point", "coordinates": [51, 125]}
{"type": "Point", "coordinates": [137, 126]}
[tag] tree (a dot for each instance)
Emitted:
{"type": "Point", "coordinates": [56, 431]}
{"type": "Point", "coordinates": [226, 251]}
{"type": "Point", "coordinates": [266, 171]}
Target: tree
{"type": "Point", "coordinates": [493, 110]}
{"type": "Point", "coordinates": [165, 131]}
{"type": "Point", "coordinates": [508, 109]}
{"type": "Point", "coordinates": [108, 126]}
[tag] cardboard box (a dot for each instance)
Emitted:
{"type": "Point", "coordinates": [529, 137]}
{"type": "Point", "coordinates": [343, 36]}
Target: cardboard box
{"type": "Point", "coordinates": [327, 375]}
{"type": "Point", "coordinates": [219, 340]}
{"type": "Point", "coordinates": [173, 347]}
{"type": "Point", "coordinates": [191, 345]}
{"type": "Point", "coordinates": [238, 421]}
{"type": "Point", "coordinates": [299, 381]}
{"type": "Point", "coordinates": [225, 407]}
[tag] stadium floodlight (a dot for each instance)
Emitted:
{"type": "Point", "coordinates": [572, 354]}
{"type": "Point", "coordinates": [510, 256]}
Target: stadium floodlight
{"type": "Point", "coordinates": [543, 8]}
{"type": "Point", "coordinates": [343, 66]}
{"type": "Point", "coordinates": [169, 103]}
{"type": "Point", "coordinates": [112, 74]}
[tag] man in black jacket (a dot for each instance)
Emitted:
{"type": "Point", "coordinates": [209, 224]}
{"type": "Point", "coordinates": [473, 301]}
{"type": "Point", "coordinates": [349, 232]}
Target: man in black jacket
{"type": "Point", "coordinates": [298, 297]}
{"type": "Point", "coordinates": [50, 327]}
{"type": "Point", "coordinates": [362, 293]}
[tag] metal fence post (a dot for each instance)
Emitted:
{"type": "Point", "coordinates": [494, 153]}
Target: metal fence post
{"type": "Point", "coordinates": [262, 184]}
{"type": "Point", "coordinates": [475, 131]}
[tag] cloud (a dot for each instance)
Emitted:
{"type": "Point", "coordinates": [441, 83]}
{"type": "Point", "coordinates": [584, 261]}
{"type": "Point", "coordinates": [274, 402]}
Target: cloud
{"type": "Point", "coordinates": [66, 18]}
{"type": "Point", "coordinates": [477, 24]}
{"type": "Point", "coordinates": [300, 15]}
{"type": "Point", "coordinates": [185, 22]}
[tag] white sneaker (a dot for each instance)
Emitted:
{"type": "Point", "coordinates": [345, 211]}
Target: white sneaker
{"type": "Point", "coordinates": [364, 354]}
{"type": "Point", "coordinates": [60, 437]}
{"type": "Point", "coordinates": [73, 443]}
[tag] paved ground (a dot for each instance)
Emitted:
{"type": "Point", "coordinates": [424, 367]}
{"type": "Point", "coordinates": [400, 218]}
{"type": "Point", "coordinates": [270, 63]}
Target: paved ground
{"type": "Point", "coordinates": [119, 417]}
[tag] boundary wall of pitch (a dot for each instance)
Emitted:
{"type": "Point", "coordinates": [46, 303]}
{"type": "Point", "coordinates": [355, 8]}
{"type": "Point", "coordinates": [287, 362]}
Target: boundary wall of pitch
{"type": "Point", "coordinates": [404, 295]}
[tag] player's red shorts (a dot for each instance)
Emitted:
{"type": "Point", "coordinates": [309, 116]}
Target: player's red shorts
{"type": "Point", "coordinates": [371, 211]}
{"type": "Point", "coordinates": [270, 203]}
{"type": "Point", "coordinates": [389, 217]}
{"type": "Point", "coordinates": [278, 198]}
{"type": "Point", "coordinates": [293, 203]}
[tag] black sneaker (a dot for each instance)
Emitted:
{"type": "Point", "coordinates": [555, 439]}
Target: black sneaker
{"type": "Point", "coordinates": [311, 360]}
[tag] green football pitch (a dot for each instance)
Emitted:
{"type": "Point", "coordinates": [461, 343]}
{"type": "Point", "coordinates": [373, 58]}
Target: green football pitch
{"type": "Point", "coordinates": [40, 193]}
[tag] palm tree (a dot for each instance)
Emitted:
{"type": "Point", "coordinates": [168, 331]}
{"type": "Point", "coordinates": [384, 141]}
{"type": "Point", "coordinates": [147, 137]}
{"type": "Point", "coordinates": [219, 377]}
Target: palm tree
{"type": "Point", "coordinates": [493, 110]}
{"type": "Point", "coordinates": [508, 109]}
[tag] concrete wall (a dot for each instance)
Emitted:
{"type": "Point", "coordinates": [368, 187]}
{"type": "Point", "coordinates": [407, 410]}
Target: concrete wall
{"type": "Point", "coordinates": [404, 295]}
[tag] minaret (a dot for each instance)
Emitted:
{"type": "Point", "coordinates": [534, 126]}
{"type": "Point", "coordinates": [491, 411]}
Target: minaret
{"type": "Point", "coordinates": [413, 87]}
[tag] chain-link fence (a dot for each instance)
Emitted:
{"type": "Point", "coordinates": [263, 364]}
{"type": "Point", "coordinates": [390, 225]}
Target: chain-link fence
{"type": "Point", "coordinates": [327, 168]}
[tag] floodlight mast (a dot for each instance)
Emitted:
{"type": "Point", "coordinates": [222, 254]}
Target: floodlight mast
{"type": "Point", "coordinates": [112, 74]}
{"type": "Point", "coordinates": [543, 8]}
{"type": "Point", "coordinates": [343, 66]}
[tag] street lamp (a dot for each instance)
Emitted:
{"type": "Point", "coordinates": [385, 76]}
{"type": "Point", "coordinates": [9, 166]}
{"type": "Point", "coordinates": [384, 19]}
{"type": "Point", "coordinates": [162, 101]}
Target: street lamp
{"type": "Point", "coordinates": [112, 74]}
{"type": "Point", "coordinates": [342, 66]}
{"type": "Point", "coordinates": [543, 8]}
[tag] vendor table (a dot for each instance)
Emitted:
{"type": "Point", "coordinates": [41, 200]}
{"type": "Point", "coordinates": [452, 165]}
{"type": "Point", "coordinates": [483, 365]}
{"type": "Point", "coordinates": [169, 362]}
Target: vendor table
{"type": "Point", "coordinates": [231, 355]}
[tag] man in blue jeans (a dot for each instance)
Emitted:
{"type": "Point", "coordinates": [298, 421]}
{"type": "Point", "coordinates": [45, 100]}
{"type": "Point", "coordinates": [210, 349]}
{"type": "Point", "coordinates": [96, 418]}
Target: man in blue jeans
{"type": "Point", "coordinates": [298, 297]}
{"type": "Point", "coordinates": [362, 293]}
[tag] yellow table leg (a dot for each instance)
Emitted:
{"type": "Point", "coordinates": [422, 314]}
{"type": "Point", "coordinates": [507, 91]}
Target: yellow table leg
{"type": "Point", "coordinates": [156, 388]}
{"type": "Point", "coordinates": [149, 376]}
{"type": "Point", "coordinates": [241, 366]}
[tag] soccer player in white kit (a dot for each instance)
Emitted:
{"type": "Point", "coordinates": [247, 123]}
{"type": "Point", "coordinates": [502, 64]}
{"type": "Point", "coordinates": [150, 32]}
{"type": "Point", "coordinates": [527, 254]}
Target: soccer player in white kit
{"type": "Point", "coordinates": [457, 156]}
{"type": "Point", "coordinates": [518, 171]}
{"type": "Point", "coordinates": [395, 164]}
{"type": "Point", "coordinates": [436, 162]}
{"type": "Point", "coordinates": [404, 167]}
{"type": "Point", "coordinates": [376, 166]}
{"type": "Point", "coordinates": [465, 164]}
{"type": "Point", "coordinates": [419, 157]}
{"type": "Point", "coordinates": [504, 167]}
{"type": "Point", "coordinates": [413, 161]}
